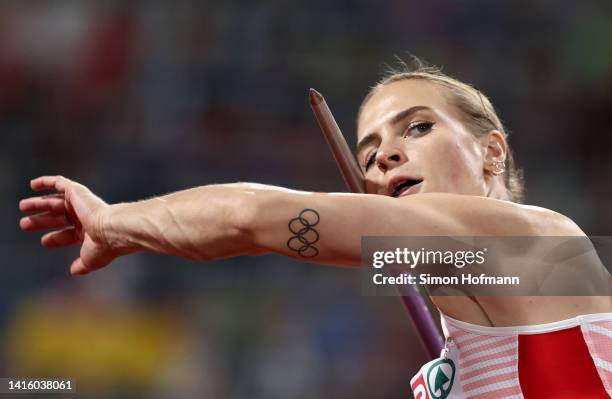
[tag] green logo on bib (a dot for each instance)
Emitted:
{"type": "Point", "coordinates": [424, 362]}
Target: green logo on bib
{"type": "Point", "coordinates": [440, 378]}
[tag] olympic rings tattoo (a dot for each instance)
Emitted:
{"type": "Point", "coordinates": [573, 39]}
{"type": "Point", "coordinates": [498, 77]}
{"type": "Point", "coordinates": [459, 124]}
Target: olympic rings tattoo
{"type": "Point", "coordinates": [305, 236]}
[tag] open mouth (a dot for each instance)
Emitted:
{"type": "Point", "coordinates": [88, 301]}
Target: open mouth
{"type": "Point", "coordinates": [403, 186]}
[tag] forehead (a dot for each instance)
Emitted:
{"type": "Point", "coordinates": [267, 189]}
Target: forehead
{"type": "Point", "coordinates": [388, 100]}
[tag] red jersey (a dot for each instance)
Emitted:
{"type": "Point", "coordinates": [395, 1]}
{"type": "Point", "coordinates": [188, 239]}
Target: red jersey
{"type": "Point", "coordinates": [561, 360]}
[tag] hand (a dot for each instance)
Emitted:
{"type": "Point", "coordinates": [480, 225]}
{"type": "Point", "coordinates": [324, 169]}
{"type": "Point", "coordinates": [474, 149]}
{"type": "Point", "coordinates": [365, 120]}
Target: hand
{"type": "Point", "coordinates": [74, 214]}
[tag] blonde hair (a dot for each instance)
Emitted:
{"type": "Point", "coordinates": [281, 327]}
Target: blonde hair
{"type": "Point", "coordinates": [478, 113]}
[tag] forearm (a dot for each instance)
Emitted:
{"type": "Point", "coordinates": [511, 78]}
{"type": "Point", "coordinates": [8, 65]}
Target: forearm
{"type": "Point", "coordinates": [205, 222]}
{"type": "Point", "coordinates": [221, 221]}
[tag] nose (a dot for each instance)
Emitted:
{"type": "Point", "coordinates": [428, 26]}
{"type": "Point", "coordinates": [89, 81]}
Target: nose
{"type": "Point", "coordinates": [389, 158]}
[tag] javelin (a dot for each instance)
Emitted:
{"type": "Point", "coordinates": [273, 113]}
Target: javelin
{"type": "Point", "coordinates": [355, 181]}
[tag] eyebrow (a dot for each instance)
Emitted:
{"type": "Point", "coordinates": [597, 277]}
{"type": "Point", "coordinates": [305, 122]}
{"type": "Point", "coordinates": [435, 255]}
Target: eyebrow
{"type": "Point", "coordinates": [397, 118]}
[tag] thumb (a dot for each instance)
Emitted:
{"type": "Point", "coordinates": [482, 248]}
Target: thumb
{"type": "Point", "coordinates": [78, 268]}
{"type": "Point", "coordinates": [92, 257]}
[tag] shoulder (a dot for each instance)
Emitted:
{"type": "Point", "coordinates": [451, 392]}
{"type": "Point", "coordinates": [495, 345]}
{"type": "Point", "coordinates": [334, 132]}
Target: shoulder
{"type": "Point", "coordinates": [487, 216]}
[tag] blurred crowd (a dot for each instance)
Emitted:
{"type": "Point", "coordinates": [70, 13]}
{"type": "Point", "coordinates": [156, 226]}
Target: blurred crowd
{"type": "Point", "coordinates": [143, 97]}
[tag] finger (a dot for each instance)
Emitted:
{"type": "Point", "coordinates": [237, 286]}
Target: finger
{"type": "Point", "coordinates": [53, 203]}
{"type": "Point", "coordinates": [49, 183]}
{"type": "Point", "coordinates": [78, 268]}
{"type": "Point", "coordinates": [61, 238]}
{"type": "Point", "coordinates": [43, 221]}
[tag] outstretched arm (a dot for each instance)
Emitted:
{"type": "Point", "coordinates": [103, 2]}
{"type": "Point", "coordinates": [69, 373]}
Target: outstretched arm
{"type": "Point", "coordinates": [220, 221]}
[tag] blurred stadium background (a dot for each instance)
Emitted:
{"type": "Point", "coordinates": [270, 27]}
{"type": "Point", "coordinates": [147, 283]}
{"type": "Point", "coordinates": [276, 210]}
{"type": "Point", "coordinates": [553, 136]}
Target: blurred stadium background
{"type": "Point", "coordinates": [142, 98]}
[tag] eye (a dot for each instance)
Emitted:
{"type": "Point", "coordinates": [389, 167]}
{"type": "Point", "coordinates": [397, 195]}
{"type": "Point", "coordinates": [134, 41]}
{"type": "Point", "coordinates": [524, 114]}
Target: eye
{"type": "Point", "coordinates": [418, 128]}
{"type": "Point", "coordinates": [370, 160]}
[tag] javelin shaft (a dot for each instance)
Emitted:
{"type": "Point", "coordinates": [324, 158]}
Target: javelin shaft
{"type": "Point", "coordinates": [354, 179]}
{"type": "Point", "coordinates": [337, 144]}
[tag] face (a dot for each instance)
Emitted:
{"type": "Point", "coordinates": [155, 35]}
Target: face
{"type": "Point", "coordinates": [411, 140]}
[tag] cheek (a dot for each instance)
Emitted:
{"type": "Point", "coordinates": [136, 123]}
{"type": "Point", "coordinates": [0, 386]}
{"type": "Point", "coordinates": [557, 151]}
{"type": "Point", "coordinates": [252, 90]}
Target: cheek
{"type": "Point", "coordinates": [455, 163]}
{"type": "Point", "coordinates": [374, 183]}
{"type": "Point", "coordinates": [457, 170]}
{"type": "Point", "coordinates": [371, 187]}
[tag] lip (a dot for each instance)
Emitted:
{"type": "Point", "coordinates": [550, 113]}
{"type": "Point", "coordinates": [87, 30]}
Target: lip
{"type": "Point", "coordinates": [394, 181]}
{"type": "Point", "coordinates": [410, 190]}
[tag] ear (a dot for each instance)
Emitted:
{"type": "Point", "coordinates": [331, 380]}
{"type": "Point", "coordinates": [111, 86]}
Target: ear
{"type": "Point", "coordinates": [496, 150]}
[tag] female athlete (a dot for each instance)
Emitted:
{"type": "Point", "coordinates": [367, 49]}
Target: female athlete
{"type": "Point", "coordinates": [437, 163]}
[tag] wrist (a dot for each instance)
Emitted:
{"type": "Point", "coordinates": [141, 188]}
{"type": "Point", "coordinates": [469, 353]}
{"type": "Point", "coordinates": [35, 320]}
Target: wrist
{"type": "Point", "coordinates": [107, 229]}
